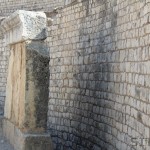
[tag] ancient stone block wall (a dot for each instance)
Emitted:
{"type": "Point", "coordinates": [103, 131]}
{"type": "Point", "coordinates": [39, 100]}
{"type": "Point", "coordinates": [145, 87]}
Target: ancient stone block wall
{"type": "Point", "coordinates": [99, 75]}
{"type": "Point", "coordinates": [9, 6]}
{"type": "Point", "coordinates": [100, 83]}
{"type": "Point", "coordinates": [4, 55]}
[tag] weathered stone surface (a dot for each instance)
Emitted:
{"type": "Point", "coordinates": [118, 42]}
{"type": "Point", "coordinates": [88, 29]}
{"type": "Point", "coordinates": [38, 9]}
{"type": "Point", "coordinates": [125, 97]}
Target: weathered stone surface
{"type": "Point", "coordinates": [25, 141]}
{"type": "Point", "coordinates": [15, 90]}
{"type": "Point", "coordinates": [9, 6]}
{"type": "Point", "coordinates": [100, 73]}
{"type": "Point", "coordinates": [4, 144]}
{"type": "Point", "coordinates": [37, 87]}
{"type": "Point", "coordinates": [27, 86]}
{"type": "Point", "coordinates": [27, 90]}
{"type": "Point", "coordinates": [4, 55]}
{"type": "Point", "coordinates": [24, 25]}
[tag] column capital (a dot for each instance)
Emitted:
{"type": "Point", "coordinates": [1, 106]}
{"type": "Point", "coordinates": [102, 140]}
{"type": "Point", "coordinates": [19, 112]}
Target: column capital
{"type": "Point", "coordinates": [24, 25]}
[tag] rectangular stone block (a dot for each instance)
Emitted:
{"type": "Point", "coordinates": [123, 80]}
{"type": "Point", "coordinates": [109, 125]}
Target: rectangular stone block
{"type": "Point", "coordinates": [24, 25]}
{"type": "Point", "coordinates": [27, 86]}
{"type": "Point", "coordinates": [23, 141]}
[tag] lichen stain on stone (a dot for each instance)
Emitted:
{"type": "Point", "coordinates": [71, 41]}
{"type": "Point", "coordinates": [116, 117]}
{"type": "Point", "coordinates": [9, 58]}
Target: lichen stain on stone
{"type": "Point", "coordinates": [38, 76]}
{"type": "Point", "coordinates": [139, 117]}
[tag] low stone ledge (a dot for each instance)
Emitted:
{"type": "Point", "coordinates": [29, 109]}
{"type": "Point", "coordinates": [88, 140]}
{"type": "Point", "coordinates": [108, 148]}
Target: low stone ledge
{"type": "Point", "coordinates": [23, 141]}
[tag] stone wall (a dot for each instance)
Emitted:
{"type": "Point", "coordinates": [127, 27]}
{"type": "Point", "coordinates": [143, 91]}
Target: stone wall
{"type": "Point", "coordinates": [9, 6]}
{"type": "Point", "coordinates": [4, 55]}
{"type": "Point", "coordinates": [100, 83]}
{"type": "Point", "coordinates": [99, 75]}
{"type": "Point", "coordinates": [6, 8]}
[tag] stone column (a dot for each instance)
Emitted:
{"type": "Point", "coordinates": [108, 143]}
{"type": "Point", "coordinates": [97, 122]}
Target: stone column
{"type": "Point", "coordinates": [27, 89]}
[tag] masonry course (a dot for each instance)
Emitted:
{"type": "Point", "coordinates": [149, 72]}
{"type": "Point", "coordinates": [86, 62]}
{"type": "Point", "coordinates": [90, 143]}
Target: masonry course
{"type": "Point", "coordinates": [99, 89]}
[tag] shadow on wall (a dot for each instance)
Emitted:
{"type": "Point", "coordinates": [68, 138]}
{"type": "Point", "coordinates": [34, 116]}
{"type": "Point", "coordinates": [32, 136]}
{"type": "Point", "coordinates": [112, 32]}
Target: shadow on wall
{"type": "Point", "coordinates": [86, 112]}
{"type": "Point", "coordinates": [1, 110]}
{"type": "Point", "coordinates": [95, 101]}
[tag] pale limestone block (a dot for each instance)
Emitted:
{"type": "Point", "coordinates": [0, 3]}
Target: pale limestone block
{"type": "Point", "coordinates": [15, 93]}
{"type": "Point", "coordinates": [24, 25]}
